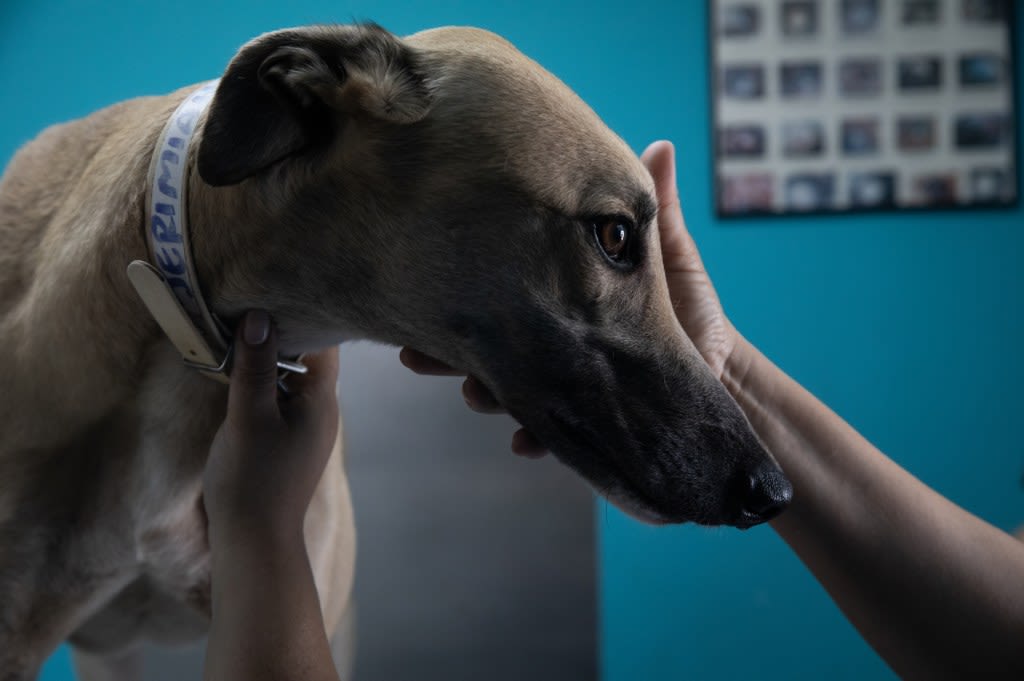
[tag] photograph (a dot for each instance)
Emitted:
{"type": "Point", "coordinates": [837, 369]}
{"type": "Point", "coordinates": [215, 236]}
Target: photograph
{"type": "Point", "coordinates": [858, 17]}
{"type": "Point", "coordinates": [799, 18]}
{"type": "Point", "coordinates": [741, 141]}
{"type": "Point", "coordinates": [979, 130]}
{"type": "Point", "coordinates": [810, 191]}
{"type": "Point", "coordinates": [860, 77]}
{"type": "Point", "coordinates": [743, 81]}
{"type": "Point", "coordinates": [859, 136]}
{"type": "Point", "coordinates": [980, 69]}
{"type": "Point", "coordinates": [800, 79]}
{"type": "Point", "coordinates": [919, 73]}
{"type": "Point", "coordinates": [915, 133]}
{"type": "Point", "coordinates": [750, 193]}
{"type": "Point", "coordinates": [937, 189]}
{"type": "Point", "coordinates": [872, 190]}
{"type": "Point", "coordinates": [920, 12]}
{"type": "Point", "coordinates": [912, 98]}
{"type": "Point", "coordinates": [989, 11]}
{"type": "Point", "coordinates": [801, 139]}
{"type": "Point", "coordinates": [739, 20]}
{"type": "Point", "coordinates": [990, 184]}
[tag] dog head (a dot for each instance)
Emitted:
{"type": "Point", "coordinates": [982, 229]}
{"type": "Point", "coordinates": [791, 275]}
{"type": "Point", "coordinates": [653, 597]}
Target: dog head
{"type": "Point", "coordinates": [446, 192]}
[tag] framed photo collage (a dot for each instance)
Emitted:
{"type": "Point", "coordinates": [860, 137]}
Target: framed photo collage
{"type": "Point", "coordinates": [847, 105]}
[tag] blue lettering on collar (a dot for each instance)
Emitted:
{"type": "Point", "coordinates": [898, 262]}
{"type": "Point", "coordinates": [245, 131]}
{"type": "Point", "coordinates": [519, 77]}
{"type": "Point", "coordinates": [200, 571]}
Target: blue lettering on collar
{"type": "Point", "coordinates": [168, 241]}
{"type": "Point", "coordinates": [165, 231]}
{"type": "Point", "coordinates": [165, 183]}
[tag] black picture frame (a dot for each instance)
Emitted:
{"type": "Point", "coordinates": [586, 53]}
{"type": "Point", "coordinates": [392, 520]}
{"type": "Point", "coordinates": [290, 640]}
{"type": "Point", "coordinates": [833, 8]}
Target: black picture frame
{"type": "Point", "coordinates": [966, 158]}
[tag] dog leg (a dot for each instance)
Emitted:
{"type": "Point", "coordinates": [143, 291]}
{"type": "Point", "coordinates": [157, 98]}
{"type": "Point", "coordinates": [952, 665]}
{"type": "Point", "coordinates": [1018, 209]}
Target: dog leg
{"type": "Point", "coordinates": [61, 561]}
{"type": "Point", "coordinates": [44, 622]}
{"type": "Point", "coordinates": [343, 643]}
{"type": "Point", "coordinates": [22, 673]}
{"type": "Point", "coordinates": [121, 666]}
{"type": "Point", "coordinates": [330, 540]}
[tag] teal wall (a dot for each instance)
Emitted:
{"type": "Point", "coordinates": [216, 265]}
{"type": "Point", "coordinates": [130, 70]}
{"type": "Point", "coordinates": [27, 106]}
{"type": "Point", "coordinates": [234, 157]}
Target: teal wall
{"type": "Point", "coordinates": [909, 325]}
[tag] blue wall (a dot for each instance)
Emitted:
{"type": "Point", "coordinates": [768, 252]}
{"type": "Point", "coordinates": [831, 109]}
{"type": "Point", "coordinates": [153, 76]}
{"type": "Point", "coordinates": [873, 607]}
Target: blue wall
{"type": "Point", "coordinates": [910, 326]}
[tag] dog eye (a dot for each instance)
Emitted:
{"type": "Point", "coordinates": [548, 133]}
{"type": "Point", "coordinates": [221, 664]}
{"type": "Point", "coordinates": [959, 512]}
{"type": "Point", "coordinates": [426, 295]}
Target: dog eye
{"type": "Point", "coordinates": [612, 236]}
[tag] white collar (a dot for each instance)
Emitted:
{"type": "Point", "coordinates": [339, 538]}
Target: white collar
{"type": "Point", "coordinates": [171, 290]}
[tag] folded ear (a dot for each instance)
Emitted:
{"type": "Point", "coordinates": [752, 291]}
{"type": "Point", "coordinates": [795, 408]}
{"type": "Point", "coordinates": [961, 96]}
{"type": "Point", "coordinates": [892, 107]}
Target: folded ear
{"type": "Point", "coordinates": [288, 92]}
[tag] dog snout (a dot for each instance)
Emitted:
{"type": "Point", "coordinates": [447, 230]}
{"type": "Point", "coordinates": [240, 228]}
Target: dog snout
{"type": "Point", "coordinates": [762, 494]}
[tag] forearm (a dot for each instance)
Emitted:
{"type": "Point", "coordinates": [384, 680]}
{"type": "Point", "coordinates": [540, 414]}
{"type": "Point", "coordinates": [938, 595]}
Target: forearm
{"type": "Point", "coordinates": [267, 624]}
{"type": "Point", "coordinates": [936, 591]}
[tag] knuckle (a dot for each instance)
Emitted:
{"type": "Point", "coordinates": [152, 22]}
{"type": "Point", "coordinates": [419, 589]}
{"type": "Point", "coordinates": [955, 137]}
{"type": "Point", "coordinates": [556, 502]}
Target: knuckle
{"type": "Point", "coordinates": [256, 372]}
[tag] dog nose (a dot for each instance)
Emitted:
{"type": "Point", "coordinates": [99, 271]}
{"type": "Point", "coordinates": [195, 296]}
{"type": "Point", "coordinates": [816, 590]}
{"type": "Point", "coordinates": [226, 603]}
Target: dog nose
{"type": "Point", "coordinates": [767, 494]}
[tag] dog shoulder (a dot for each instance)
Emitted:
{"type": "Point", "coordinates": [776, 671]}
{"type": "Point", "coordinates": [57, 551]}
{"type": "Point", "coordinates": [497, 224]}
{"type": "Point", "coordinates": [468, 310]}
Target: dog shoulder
{"type": "Point", "coordinates": [40, 179]}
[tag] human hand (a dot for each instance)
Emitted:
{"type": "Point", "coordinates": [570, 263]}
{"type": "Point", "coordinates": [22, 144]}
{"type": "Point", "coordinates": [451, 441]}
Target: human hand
{"type": "Point", "coordinates": [477, 397]}
{"type": "Point", "coordinates": [693, 298]}
{"type": "Point", "coordinates": [269, 454]}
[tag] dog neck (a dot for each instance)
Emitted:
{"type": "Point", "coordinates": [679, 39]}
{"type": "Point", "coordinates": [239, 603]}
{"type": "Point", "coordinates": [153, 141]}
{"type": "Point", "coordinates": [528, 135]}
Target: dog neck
{"type": "Point", "coordinates": [272, 241]}
{"type": "Point", "coordinates": [171, 290]}
{"type": "Point", "coordinates": [248, 256]}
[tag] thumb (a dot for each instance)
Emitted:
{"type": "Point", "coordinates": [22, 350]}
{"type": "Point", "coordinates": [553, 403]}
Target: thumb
{"type": "Point", "coordinates": [660, 159]}
{"type": "Point", "coordinates": [676, 242]}
{"type": "Point", "coordinates": [253, 390]}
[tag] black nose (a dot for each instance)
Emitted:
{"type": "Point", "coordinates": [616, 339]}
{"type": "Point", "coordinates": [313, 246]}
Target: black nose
{"type": "Point", "coordinates": [766, 495]}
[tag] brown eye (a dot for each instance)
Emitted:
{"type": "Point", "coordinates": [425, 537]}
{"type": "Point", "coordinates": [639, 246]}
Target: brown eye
{"type": "Point", "coordinates": [613, 236]}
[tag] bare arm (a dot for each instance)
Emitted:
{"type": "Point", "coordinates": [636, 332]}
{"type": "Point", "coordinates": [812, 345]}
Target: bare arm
{"type": "Point", "coordinates": [264, 466]}
{"type": "Point", "coordinates": [266, 613]}
{"type": "Point", "coordinates": [936, 591]}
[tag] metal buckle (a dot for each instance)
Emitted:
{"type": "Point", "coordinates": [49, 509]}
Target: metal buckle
{"type": "Point", "coordinates": [285, 367]}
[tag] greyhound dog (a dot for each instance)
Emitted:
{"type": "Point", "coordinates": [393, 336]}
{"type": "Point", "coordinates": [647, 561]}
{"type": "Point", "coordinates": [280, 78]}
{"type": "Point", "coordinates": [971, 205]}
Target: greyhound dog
{"type": "Point", "coordinates": [440, 191]}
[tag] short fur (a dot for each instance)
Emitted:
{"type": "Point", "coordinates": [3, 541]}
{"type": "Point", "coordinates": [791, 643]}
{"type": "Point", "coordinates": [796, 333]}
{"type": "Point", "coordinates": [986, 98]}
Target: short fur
{"type": "Point", "coordinates": [439, 192]}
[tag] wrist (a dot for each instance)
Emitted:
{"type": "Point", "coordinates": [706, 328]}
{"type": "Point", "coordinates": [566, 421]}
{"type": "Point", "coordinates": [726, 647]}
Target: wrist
{"type": "Point", "coordinates": [250, 532]}
{"type": "Point", "coordinates": [262, 553]}
{"type": "Point", "coordinates": [739, 366]}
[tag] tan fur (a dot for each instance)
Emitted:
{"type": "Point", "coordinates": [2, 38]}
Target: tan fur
{"type": "Point", "coordinates": [447, 206]}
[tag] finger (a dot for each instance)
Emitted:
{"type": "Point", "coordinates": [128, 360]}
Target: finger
{"type": "Point", "coordinates": [479, 398]}
{"type": "Point", "coordinates": [252, 393]}
{"type": "Point", "coordinates": [676, 241]}
{"type": "Point", "coordinates": [425, 364]}
{"type": "Point", "coordinates": [525, 444]}
{"type": "Point", "coordinates": [321, 375]}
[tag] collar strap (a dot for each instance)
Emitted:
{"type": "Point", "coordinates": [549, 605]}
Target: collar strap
{"type": "Point", "coordinates": [171, 290]}
{"type": "Point", "coordinates": [197, 353]}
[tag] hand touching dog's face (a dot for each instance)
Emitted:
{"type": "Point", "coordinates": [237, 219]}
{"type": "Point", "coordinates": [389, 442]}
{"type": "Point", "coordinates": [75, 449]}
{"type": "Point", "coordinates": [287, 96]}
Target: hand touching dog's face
{"type": "Point", "coordinates": [446, 192]}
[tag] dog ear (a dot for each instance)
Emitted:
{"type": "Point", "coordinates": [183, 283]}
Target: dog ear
{"type": "Point", "coordinates": [288, 92]}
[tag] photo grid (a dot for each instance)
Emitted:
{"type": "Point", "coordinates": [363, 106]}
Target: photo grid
{"type": "Point", "coordinates": [837, 105]}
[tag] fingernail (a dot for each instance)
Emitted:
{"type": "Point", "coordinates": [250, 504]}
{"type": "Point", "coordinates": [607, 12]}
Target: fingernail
{"type": "Point", "coordinates": [257, 328]}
